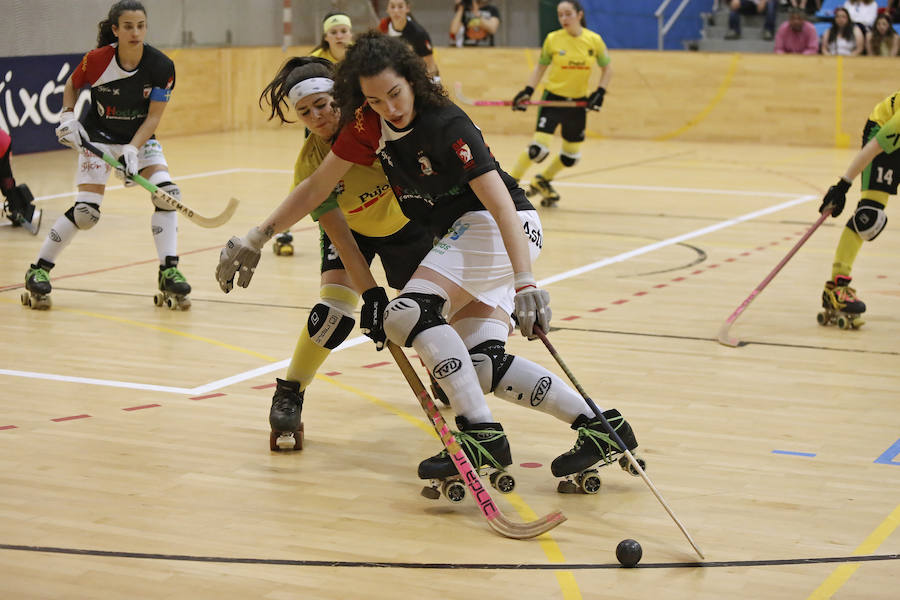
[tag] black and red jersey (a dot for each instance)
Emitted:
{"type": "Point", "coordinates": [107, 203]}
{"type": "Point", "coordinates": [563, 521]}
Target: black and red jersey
{"type": "Point", "coordinates": [429, 164]}
{"type": "Point", "coordinates": [120, 99]}
{"type": "Point", "coordinates": [412, 33]}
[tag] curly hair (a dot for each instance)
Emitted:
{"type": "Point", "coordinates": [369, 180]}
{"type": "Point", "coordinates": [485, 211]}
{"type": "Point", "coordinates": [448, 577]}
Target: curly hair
{"type": "Point", "coordinates": [293, 71]}
{"type": "Point", "coordinates": [373, 53]}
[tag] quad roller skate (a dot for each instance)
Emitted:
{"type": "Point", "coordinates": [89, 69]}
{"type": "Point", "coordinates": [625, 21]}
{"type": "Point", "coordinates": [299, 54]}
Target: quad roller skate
{"type": "Point", "coordinates": [283, 244]}
{"type": "Point", "coordinates": [594, 445]}
{"type": "Point", "coordinates": [485, 446]}
{"type": "Point", "coordinates": [37, 288]}
{"type": "Point", "coordinates": [540, 185]}
{"type": "Point", "coordinates": [284, 417]}
{"type": "Point", "coordinates": [841, 305]}
{"type": "Point", "coordinates": [18, 207]}
{"type": "Point", "coordinates": [173, 287]}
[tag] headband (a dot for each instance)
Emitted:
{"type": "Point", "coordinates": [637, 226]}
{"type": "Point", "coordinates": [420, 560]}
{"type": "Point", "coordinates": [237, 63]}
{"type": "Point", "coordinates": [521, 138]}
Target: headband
{"type": "Point", "coordinates": [333, 20]}
{"type": "Point", "coordinates": [313, 85]}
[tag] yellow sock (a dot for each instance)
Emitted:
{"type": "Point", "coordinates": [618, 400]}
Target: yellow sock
{"type": "Point", "coordinates": [309, 356]}
{"type": "Point", "coordinates": [553, 168]}
{"type": "Point", "coordinates": [845, 254]}
{"type": "Point", "coordinates": [522, 164]}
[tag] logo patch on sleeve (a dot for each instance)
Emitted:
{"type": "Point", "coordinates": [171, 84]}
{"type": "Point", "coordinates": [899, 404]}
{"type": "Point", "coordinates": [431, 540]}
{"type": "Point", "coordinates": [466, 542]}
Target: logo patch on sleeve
{"type": "Point", "coordinates": [464, 153]}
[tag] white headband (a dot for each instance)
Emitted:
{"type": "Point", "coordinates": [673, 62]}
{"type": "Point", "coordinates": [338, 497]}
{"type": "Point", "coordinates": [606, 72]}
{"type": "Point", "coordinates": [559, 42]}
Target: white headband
{"type": "Point", "coordinates": [313, 85]}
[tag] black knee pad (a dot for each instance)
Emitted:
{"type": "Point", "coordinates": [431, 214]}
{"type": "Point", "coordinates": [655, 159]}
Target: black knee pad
{"type": "Point", "coordinates": [407, 315]}
{"type": "Point", "coordinates": [868, 220]}
{"type": "Point", "coordinates": [569, 160]}
{"type": "Point", "coordinates": [537, 152]}
{"type": "Point", "coordinates": [84, 214]}
{"type": "Point", "coordinates": [328, 326]}
{"type": "Point", "coordinates": [491, 363]}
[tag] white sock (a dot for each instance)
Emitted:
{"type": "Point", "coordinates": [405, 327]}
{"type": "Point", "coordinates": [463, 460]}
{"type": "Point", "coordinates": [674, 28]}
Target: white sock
{"type": "Point", "coordinates": [164, 224]}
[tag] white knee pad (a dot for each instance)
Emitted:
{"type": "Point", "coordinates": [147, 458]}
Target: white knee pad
{"type": "Point", "coordinates": [162, 180]}
{"type": "Point", "coordinates": [869, 220]}
{"type": "Point", "coordinates": [411, 313]}
{"type": "Point", "coordinates": [86, 211]}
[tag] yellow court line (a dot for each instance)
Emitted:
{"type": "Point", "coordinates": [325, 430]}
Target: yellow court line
{"type": "Point", "coordinates": [841, 139]}
{"type": "Point", "coordinates": [720, 93]}
{"type": "Point", "coordinates": [840, 575]}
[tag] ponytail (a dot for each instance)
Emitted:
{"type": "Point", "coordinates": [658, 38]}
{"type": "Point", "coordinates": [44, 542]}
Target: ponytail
{"type": "Point", "coordinates": [105, 35]}
{"type": "Point", "coordinates": [293, 71]}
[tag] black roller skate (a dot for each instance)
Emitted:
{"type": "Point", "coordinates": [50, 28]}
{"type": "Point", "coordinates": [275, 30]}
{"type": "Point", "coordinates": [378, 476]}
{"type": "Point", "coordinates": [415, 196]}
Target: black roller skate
{"type": "Point", "coordinates": [486, 447]}
{"type": "Point", "coordinates": [540, 185]}
{"type": "Point", "coordinates": [173, 287]}
{"type": "Point", "coordinates": [19, 209]}
{"type": "Point", "coordinates": [37, 287]}
{"type": "Point", "coordinates": [841, 305]}
{"type": "Point", "coordinates": [594, 445]}
{"type": "Point", "coordinates": [283, 244]}
{"type": "Point", "coordinates": [284, 416]}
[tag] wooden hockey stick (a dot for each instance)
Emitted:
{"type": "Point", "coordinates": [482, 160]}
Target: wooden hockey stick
{"type": "Point", "coordinates": [631, 459]}
{"type": "Point", "coordinates": [734, 342]}
{"type": "Point", "coordinates": [560, 103]}
{"type": "Point", "coordinates": [164, 197]}
{"type": "Point", "coordinates": [495, 518]}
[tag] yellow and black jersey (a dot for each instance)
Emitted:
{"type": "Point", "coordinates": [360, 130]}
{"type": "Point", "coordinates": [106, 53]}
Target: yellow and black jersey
{"type": "Point", "coordinates": [886, 115]}
{"type": "Point", "coordinates": [570, 59]}
{"type": "Point", "coordinates": [363, 194]}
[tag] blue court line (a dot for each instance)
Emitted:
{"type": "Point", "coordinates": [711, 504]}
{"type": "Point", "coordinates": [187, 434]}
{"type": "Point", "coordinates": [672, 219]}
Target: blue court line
{"type": "Point", "coordinates": [892, 452]}
{"type": "Point", "coordinates": [793, 453]}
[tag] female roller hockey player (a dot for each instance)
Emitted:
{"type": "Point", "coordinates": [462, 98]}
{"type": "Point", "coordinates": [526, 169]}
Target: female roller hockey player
{"type": "Point", "coordinates": [569, 54]}
{"type": "Point", "coordinates": [879, 163]}
{"type": "Point", "coordinates": [17, 203]}
{"type": "Point", "coordinates": [444, 177]}
{"type": "Point", "coordinates": [131, 83]}
{"type": "Point", "coordinates": [378, 227]}
{"type": "Point", "coordinates": [399, 23]}
{"type": "Point", "coordinates": [337, 36]}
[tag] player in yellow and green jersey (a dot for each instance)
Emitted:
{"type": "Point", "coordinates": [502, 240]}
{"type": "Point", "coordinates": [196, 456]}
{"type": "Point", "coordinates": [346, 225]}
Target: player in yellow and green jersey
{"type": "Point", "coordinates": [879, 163]}
{"type": "Point", "coordinates": [569, 55]}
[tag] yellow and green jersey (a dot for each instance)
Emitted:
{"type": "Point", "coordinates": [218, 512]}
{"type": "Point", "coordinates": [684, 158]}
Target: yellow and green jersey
{"type": "Point", "coordinates": [570, 59]}
{"type": "Point", "coordinates": [324, 53]}
{"type": "Point", "coordinates": [886, 115]}
{"type": "Point", "coordinates": [363, 195]}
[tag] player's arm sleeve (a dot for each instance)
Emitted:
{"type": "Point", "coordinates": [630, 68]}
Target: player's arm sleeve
{"type": "Point", "coordinates": [163, 81]}
{"type": "Point", "coordinates": [602, 53]}
{"type": "Point", "coordinates": [310, 157]}
{"type": "Point", "coordinates": [358, 141]}
{"type": "Point", "coordinates": [471, 151]}
{"type": "Point", "coordinates": [889, 135]}
{"type": "Point", "coordinates": [546, 53]}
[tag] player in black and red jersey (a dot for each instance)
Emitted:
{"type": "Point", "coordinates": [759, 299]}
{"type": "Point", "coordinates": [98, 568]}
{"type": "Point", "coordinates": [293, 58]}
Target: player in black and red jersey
{"type": "Point", "coordinates": [399, 23]}
{"type": "Point", "coordinates": [455, 309]}
{"type": "Point", "coordinates": [131, 83]}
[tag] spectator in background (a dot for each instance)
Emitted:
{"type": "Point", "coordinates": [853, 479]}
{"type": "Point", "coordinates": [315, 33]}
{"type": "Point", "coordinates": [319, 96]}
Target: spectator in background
{"type": "Point", "coordinates": [399, 23]}
{"type": "Point", "coordinates": [474, 23]}
{"type": "Point", "coordinates": [843, 38]}
{"type": "Point", "coordinates": [882, 40]}
{"type": "Point", "coordinates": [893, 8]}
{"type": "Point", "coordinates": [862, 12]}
{"type": "Point", "coordinates": [751, 7]}
{"type": "Point", "coordinates": [810, 7]}
{"type": "Point", "coordinates": [797, 35]}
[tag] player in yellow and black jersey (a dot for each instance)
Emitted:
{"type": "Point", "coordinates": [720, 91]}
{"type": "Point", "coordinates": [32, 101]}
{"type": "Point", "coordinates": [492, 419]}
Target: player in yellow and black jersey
{"type": "Point", "coordinates": [568, 56]}
{"type": "Point", "coordinates": [879, 163]}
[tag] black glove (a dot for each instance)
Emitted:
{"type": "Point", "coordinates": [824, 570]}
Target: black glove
{"type": "Point", "coordinates": [595, 100]}
{"type": "Point", "coordinates": [523, 96]}
{"type": "Point", "coordinates": [371, 316]}
{"type": "Point", "coordinates": [836, 196]}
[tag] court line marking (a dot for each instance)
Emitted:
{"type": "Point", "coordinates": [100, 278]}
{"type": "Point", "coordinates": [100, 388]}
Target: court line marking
{"type": "Point", "coordinates": [237, 378]}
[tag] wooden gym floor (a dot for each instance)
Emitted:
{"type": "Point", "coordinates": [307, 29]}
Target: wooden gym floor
{"type": "Point", "coordinates": [134, 456]}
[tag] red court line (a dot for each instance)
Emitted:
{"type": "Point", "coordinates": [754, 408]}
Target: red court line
{"type": "Point", "coordinates": [333, 373]}
{"type": "Point", "coordinates": [598, 309]}
{"type": "Point", "coordinates": [206, 396]}
{"type": "Point", "coordinates": [570, 318]}
{"type": "Point", "coordinates": [264, 386]}
{"type": "Point", "coordinates": [679, 279]}
{"type": "Point", "coordinates": [72, 418]}
{"type": "Point", "coordinates": [7, 427]}
{"type": "Point", "coordinates": [661, 285]}
{"type": "Point", "coordinates": [641, 293]}
{"type": "Point", "coordinates": [143, 406]}
{"type": "Point", "coordinates": [378, 364]}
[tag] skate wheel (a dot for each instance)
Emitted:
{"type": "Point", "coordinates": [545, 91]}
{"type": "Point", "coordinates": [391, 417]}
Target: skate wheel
{"type": "Point", "coordinates": [589, 482]}
{"type": "Point", "coordinates": [184, 304]}
{"type": "Point", "coordinates": [843, 322]}
{"type": "Point", "coordinates": [822, 318]}
{"type": "Point", "coordinates": [159, 299]}
{"type": "Point", "coordinates": [454, 490]}
{"type": "Point", "coordinates": [857, 323]}
{"type": "Point", "coordinates": [289, 440]}
{"type": "Point", "coordinates": [503, 482]}
{"type": "Point", "coordinates": [25, 298]}
{"type": "Point", "coordinates": [567, 487]}
{"type": "Point", "coordinates": [432, 493]}
{"type": "Point", "coordinates": [629, 468]}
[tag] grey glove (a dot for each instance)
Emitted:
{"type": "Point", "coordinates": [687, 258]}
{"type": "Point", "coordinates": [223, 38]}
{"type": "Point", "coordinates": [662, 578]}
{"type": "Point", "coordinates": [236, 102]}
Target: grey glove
{"type": "Point", "coordinates": [532, 305]}
{"type": "Point", "coordinates": [239, 257]}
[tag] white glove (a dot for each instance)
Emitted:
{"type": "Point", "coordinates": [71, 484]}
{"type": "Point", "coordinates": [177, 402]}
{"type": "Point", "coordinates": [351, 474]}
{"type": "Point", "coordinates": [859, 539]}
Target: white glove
{"type": "Point", "coordinates": [70, 130]}
{"type": "Point", "coordinates": [532, 305]}
{"type": "Point", "coordinates": [240, 257]}
{"type": "Point", "coordinates": [129, 160]}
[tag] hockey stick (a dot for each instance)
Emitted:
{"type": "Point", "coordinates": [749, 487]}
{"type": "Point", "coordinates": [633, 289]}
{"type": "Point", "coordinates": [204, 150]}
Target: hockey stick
{"type": "Point", "coordinates": [615, 436]}
{"type": "Point", "coordinates": [560, 103]}
{"type": "Point", "coordinates": [164, 197]}
{"type": "Point", "coordinates": [496, 519]}
{"type": "Point", "coordinates": [724, 339]}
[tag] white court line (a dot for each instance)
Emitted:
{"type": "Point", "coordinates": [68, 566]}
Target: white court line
{"type": "Point", "coordinates": [221, 383]}
{"type": "Point", "coordinates": [656, 188]}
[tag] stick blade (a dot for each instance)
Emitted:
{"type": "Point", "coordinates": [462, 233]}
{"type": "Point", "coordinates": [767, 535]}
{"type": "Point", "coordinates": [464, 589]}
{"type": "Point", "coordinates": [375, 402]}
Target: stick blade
{"type": "Point", "coordinates": [726, 340]}
{"type": "Point", "coordinates": [218, 220]}
{"type": "Point", "coordinates": [523, 531]}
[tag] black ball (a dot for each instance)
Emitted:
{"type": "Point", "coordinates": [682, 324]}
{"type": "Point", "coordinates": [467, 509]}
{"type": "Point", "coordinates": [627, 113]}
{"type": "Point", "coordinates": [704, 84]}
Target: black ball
{"type": "Point", "coordinates": [629, 553]}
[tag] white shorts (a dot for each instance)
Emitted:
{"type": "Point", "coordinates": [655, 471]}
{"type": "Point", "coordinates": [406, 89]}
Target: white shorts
{"type": "Point", "coordinates": [472, 255]}
{"type": "Point", "coordinates": [94, 170]}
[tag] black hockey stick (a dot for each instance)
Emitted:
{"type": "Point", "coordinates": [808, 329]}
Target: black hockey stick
{"type": "Point", "coordinates": [163, 196]}
{"type": "Point", "coordinates": [615, 436]}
